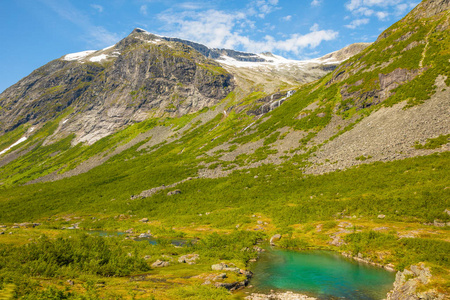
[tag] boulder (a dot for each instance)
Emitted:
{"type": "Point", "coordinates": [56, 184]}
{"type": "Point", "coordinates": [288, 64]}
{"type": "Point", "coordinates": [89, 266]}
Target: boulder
{"type": "Point", "coordinates": [274, 239]}
{"type": "Point", "coordinates": [160, 264]}
{"type": "Point", "coordinates": [233, 286]}
{"type": "Point", "coordinates": [220, 276]}
{"type": "Point", "coordinates": [188, 258]}
{"type": "Point", "coordinates": [144, 235]}
{"type": "Point", "coordinates": [143, 220]}
{"type": "Point", "coordinates": [225, 267]}
{"type": "Point", "coordinates": [381, 216]}
{"type": "Point", "coordinates": [175, 192]}
{"type": "Point", "coordinates": [218, 267]}
{"type": "Point", "coordinates": [258, 249]}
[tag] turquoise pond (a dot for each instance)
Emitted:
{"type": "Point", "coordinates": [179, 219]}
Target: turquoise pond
{"type": "Point", "coordinates": [320, 274]}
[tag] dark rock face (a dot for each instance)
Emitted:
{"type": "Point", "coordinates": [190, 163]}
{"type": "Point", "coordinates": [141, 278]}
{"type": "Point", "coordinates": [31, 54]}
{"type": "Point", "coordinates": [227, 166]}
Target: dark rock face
{"type": "Point", "coordinates": [146, 77]}
{"type": "Point", "coordinates": [216, 53]}
{"type": "Point", "coordinates": [387, 83]}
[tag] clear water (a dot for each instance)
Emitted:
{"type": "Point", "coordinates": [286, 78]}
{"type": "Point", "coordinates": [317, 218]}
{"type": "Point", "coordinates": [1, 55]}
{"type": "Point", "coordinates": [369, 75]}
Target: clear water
{"type": "Point", "coordinates": [320, 274]}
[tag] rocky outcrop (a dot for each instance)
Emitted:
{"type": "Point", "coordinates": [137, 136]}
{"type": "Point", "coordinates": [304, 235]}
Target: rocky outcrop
{"type": "Point", "coordinates": [407, 284]}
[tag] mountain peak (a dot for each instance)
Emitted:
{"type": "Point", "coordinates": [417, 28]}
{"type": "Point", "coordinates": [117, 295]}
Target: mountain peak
{"type": "Point", "coordinates": [139, 30]}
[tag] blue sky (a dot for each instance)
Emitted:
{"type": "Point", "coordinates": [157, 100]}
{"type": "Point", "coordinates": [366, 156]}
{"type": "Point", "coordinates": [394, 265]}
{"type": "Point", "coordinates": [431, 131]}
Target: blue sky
{"type": "Point", "coordinates": [34, 32]}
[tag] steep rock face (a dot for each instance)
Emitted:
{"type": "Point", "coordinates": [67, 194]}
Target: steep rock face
{"type": "Point", "coordinates": [140, 77]}
{"type": "Point", "coordinates": [150, 82]}
{"type": "Point", "coordinates": [431, 8]}
{"type": "Point", "coordinates": [45, 93]}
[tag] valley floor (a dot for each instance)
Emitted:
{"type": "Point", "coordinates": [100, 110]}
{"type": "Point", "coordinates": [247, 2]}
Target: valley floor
{"type": "Point", "coordinates": [53, 266]}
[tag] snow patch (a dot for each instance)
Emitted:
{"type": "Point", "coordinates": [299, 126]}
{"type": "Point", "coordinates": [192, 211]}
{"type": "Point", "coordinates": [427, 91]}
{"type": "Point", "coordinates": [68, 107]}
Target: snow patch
{"type": "Point", "coordinates": [78, 55]}
{"type": "Point", "coordinates": [98, 58]}
{"type": "Point", "coordinates": [22, 139]}
{"type": "Point", "coordinates": [108, 47]}
{"type": "Point", "coordinates": [155, 41]}
{"type": "Point", "coordinates": [64, 122]}
{"type": "Point", "coordinates": [270, 60]}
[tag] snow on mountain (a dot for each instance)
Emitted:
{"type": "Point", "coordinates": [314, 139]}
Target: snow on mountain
{"type": "Point", "coordinates": [78, 55]}
{"type": "Point", "coordinates": [22, 139]}
{"type": "Point", "coordinates": [270, 60]}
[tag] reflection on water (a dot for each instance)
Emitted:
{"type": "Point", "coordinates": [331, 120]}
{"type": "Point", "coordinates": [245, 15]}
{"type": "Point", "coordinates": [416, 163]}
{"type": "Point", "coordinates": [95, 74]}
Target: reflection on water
{"type": "Point", "coordinates": [321, 274]}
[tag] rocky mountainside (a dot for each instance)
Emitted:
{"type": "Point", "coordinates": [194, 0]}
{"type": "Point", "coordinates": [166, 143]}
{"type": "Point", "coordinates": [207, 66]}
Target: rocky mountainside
{"type": "Point", "coordinates": [138, 78]}
{"type": "Point", "coordinates": [374, 107]}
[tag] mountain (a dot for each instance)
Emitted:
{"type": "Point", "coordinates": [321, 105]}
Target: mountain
{"type": "Point", "coordinates": [137, 78]}
{"type": "Point", "coordinates": [348, 152]}
{"type": "Point", "coordinates": [142, 76]}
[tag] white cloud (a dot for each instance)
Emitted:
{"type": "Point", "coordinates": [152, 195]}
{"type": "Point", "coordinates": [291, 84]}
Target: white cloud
{"type": "Point", "coordinates": [99, 8]}
{"type": "Point", "coordinates": [364, 11]}
{"type": "Point", "coordinates": [382, 15]}
{"type": "Point", "coordinates": [191, 5]}
{"type": "Point", "coordinates": [315, 27]}
{"type": "Point", "coordinates": [219, 29]}
{"type": "Point", "coordinates": [143, 9]}
{"type": "Point", "coordinates": [316, 2]}
{"type": "Point", "coordinates": [382, 9]}
{"type": "Point", "coordinates": [356, 23]}
{"type": "Point", "coordinates": [287, 18]}
{"type": "Point", "coordinates": [261, 8]}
